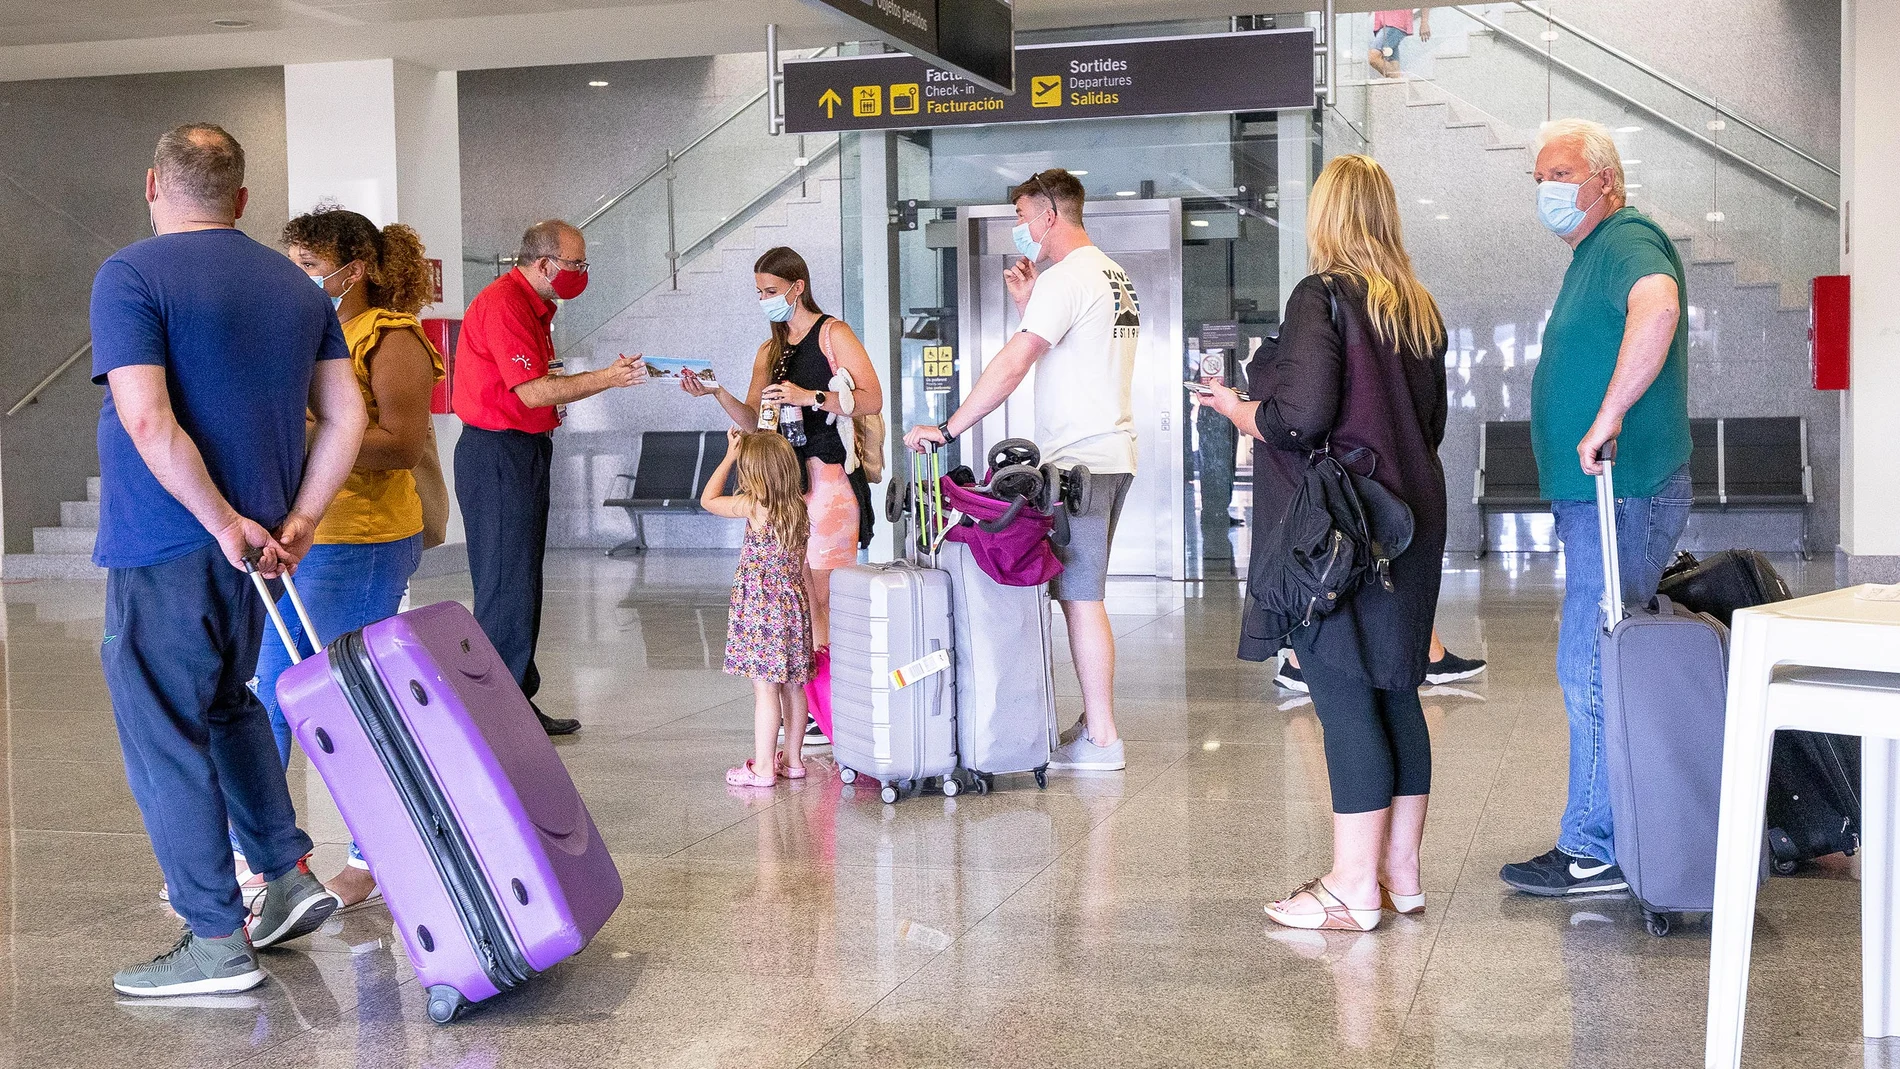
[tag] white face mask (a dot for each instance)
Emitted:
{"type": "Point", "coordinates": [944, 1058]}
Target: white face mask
{"type": "Point", "coordinates": [323, 283]}
{"type": "Point", "coordinates": [1557, 205]}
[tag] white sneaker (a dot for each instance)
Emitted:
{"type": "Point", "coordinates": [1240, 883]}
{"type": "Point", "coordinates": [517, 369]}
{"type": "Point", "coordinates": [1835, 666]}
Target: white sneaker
{"type": "Point", "coordinates": [1082, 755]}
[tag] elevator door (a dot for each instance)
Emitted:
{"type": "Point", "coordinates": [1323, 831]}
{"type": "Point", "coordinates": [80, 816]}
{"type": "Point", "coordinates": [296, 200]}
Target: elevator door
{"type": "Point", "coordinates": [1144, 237]}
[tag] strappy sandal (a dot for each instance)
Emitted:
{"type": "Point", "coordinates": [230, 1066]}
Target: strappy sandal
{"type": "Point", "coordinates": [1335, 915]}
{"type": "Point", "coordinates": [1403, 905]}
{"type": "Point", "coordinates": [786, 770]}
{"type": "Point", "coordinates": [746, 776]}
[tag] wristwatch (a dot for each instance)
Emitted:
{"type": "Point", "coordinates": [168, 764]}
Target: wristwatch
{"type": "Point", "coordinates": [944, 429]}
{"type": "Point", "coordinates": [819, 398]}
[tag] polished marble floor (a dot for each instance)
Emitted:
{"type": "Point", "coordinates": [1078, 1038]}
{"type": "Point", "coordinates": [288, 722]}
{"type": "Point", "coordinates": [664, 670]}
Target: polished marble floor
{"type": "Point", "coordinates": [1113, 920]}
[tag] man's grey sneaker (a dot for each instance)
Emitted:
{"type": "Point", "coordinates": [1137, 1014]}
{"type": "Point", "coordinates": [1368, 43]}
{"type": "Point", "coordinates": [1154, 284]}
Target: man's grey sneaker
{"type": "Point", "coordinates": [1555, 873]}
{"type": "Point", "coordinates": [1082, 755]}
{"type": "Point", "coordinates": [1289, 677]}
{"type": "Point", "coordinates": [295, 904]}
{"type": "Point", "coordinates": [1451, 668]}
{"type": "Point", "coordinates": [194, 966]}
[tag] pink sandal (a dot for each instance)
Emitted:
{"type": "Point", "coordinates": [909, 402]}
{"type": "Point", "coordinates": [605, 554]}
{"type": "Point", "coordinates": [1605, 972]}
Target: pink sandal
{"type": "Point", "coordinates": [787, 770]}
{"type": "Point", "coordinates": [745, 776]}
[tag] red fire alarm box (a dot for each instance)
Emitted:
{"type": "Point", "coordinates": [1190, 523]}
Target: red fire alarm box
{"type": "Point", "coordinates": [443, 334]}
{"type": "Point", "coordinates": [1828, 321]}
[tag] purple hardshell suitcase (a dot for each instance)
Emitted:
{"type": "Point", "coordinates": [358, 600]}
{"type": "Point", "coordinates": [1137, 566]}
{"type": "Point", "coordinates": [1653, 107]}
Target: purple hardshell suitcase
{"type": "Point", "coordinates": [486, 855]}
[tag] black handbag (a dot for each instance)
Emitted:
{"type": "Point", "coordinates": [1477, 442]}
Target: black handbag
{"type": "Point", "coordinates": [1339, 530]}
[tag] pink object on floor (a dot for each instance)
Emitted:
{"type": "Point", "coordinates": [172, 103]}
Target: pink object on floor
{"type": "Point", "coordinates": [818, 691]}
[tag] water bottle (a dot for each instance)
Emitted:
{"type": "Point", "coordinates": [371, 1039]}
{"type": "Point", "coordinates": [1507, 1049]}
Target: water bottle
{"type": "Point", "coordinates": [791, 423]}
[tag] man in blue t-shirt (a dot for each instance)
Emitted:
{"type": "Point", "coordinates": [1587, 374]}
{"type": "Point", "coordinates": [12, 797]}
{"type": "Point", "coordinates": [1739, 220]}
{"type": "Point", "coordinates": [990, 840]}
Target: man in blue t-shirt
{"type": "Point", "coordinates": [210, 346]}
{"type": "Point", "coordinates": [1614, 369]}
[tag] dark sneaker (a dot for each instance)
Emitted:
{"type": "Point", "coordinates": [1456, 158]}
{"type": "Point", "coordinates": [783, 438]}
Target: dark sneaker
{"type": "Point", "coordinates": [1289, 677]}
{"type": "Point", "coordinates": [1451, 668]}
{"type": "Point", "coordinates": [295, 904]}
{"type": "Point", "coordinates": [1555, 873]}
{"type": "Point", "coordinates": [814, 736]}
{"type": "Point", "coordinates": [194, 966]}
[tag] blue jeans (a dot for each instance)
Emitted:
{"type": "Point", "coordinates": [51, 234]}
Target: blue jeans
{"type": "Point", "coordinates": [181, 640]}
{"type": "Point", "coordinates": [1646, 532]}
{"type": "Point", "coordinates": [344, 586]}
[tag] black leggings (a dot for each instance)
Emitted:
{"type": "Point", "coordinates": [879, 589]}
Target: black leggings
{"type": "Point", "coordinates": [1377, 745]}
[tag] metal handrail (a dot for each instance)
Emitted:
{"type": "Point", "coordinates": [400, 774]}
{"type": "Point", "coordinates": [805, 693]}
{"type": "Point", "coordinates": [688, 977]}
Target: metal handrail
{"type": "Point", "coordinates": [707, 240]}
{"type": "Point", "coordinates": [65, 365]}
{"type": "Point", "coordinates": [1651, 110]}
{"type": "Point", "coordinates": [1672, 83]}
{"type": "Point", "coordinates": [673, 156]}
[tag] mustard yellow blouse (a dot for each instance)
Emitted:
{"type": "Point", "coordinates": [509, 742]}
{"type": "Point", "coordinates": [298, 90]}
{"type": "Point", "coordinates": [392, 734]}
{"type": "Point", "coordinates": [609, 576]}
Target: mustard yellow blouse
{"type": "Point", "coordinates": [376, 506]}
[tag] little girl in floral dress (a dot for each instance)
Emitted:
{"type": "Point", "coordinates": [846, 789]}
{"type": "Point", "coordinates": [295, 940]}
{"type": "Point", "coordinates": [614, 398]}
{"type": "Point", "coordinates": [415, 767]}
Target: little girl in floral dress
{"type": "Point", "coordinates": [768, 635]}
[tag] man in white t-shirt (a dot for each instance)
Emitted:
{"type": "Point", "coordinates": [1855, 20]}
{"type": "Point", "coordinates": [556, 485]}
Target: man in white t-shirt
{"type": "Point", "coordinates": [1081, 325]}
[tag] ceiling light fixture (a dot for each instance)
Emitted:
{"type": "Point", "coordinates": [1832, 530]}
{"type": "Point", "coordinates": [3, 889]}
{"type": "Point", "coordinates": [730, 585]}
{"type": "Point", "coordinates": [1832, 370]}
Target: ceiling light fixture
{"type": "Point", "coordinates": [1125, 193]}
{"type": "Point", "coordinates": [1424, 200]}
{"type": "Point", "coordinates": [1631, 163]}
{"type": "Point", "coordinates": [1197, 222]}
{"type": "Point", "coordinates": [1633, 185]}
{"type": "Point", "coordinates": [230, 24]}
{"type": "Point", "coordinates": [598, 84]}
{"type": "Point", "coordinates": [1079, 174]}
{"type": "Point", "coordinates": [1441, 215]}
{"type": "Point", "coordinates": [1629, 129]}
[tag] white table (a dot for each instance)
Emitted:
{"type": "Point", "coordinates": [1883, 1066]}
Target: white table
{"type": "Point", "coordinates": [1832, 630]}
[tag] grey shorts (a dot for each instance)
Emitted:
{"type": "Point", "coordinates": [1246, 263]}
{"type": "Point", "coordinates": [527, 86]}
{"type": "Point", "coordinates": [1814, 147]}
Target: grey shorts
{"type": "Point", "coordinates": [1085, 559]}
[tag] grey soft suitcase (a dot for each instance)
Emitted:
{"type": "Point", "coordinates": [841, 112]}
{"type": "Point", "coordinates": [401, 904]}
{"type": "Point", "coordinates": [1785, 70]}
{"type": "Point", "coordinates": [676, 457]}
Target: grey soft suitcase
{"type": "Point", "coordinates": [885, 617]}
{"type": "Point", "coordinates": [1665, 692]}
{"type": "Point", "coordinates": [1006, 693]}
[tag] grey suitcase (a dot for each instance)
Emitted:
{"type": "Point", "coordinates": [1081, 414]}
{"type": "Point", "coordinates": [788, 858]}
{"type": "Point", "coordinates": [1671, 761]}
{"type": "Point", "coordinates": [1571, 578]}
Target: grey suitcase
{"type": "Point", "coordinates": [884, 617]}
{"type": "Point", "coordinates": [1006, 692]}
{"type": "Point", "coordinates": [1665, 695]}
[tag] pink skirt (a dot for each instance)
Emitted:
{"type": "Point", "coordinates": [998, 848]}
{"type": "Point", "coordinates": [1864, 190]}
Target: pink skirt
{"type": "Point", "coordinates": [834, 517]}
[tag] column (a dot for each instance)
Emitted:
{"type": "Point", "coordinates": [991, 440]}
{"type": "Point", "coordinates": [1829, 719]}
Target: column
{"type": "Point", "coordinates": [1870, 218]}
{"type": "Point", "coordinates": [877, 191]}
{"type": "Point", "coordinates": [381, 137]}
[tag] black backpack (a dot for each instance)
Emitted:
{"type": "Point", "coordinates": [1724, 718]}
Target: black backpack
{"type": "Point", "coordinates": [1339, 531]}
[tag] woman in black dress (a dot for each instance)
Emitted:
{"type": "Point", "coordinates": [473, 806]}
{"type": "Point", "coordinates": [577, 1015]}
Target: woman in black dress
{"type": "Point", "coordinates": [1370, 375]}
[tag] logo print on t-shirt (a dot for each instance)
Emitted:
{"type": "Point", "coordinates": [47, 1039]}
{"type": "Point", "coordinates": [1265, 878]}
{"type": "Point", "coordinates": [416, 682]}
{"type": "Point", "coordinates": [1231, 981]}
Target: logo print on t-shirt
{"type": "Point", "coordinates": [526, 364]}
{"type": "Point", "coordinates": [1127, 304]}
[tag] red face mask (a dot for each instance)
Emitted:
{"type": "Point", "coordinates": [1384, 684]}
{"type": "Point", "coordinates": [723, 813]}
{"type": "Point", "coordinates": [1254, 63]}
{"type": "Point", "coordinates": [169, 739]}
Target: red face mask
{"type": "Point", "coordinates": [568, 284]}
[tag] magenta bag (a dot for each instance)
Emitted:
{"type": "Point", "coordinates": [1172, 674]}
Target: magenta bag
{"type": "Point", "coordinates": [1009, 539]}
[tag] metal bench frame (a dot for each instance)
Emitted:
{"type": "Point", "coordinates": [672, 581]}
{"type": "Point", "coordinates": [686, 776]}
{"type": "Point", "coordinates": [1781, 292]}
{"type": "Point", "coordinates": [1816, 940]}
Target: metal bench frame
{"type": "Point", "coordinates": [1719, 501]}
{"type": "Point", "coordinates": [624, 491]}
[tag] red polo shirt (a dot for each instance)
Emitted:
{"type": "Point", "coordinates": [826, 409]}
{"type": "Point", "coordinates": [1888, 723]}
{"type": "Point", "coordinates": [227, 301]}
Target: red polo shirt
{"type": "Point", "coordinates": [505, 342]}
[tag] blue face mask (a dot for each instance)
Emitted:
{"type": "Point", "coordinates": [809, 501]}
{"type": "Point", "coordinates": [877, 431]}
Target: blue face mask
{"type": "Point", "coordinates": [777, 309]}
{"type": "Point", "coordinates": [323, 283]}
{"type": "Point", "coordinates": [1557, 206]}
{"type": "Point", "coordinates": [1028, 246]}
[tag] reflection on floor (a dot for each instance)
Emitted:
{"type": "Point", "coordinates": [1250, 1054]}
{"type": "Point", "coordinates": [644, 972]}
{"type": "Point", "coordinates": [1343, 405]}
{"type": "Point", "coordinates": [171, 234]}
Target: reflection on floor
{"type": "Point", "coordinates": [1112, 920]}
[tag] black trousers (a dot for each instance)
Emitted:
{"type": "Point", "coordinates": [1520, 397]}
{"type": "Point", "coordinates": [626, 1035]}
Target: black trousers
{"type": "Point", "coordinates": [179, 650]}
{"type": "Point", "coordinates": [501, 482]}
{"type": "Point", "coordinates": [1377, 745]}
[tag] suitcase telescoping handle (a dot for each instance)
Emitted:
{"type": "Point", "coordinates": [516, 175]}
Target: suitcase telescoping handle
{"type": "Point", "coordinates": [926, 510]}
{"type": "Point", "coordinates": [277, 618]}
{"type": "Point", "coordinates": [1613, 608]}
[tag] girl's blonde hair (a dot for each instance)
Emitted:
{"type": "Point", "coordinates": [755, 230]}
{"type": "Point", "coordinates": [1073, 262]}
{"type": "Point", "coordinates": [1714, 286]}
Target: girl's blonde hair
{"type": "Point", "coordinates": [768, 474]}
{"type": "Point", "coordinates": [1352, 225]}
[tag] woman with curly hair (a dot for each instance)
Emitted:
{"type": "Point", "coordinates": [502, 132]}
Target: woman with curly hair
{"type": "Point", "coordinates": [370, 540]}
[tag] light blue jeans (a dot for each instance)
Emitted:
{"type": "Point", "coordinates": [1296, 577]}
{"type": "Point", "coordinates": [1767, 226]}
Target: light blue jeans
{"type": "Point", "coordinates": [344, 586]}
{"type": "Point", "coordinates": [1647, 529]}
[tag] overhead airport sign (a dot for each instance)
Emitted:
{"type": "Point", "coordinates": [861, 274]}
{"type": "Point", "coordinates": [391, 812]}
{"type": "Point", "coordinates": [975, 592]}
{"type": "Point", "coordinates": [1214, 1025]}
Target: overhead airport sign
{"type": "Point", "coordinates": [1264, 70]}
{"type": "Point", "coordinates": [973, 38]}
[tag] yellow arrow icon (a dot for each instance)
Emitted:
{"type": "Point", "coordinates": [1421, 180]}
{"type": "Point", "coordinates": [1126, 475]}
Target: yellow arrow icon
{"type": "Point", "coordinates": [830, 102]}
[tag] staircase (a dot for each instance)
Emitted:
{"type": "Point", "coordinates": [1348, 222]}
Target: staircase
{"type": "Point", "coordinates": [1468, 203]}
{"type": "Point", "coordinates": [63, 552]}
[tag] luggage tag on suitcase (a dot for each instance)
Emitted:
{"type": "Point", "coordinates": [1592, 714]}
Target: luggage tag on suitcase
{"type": "Point", "coordinates": [920, 669]}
